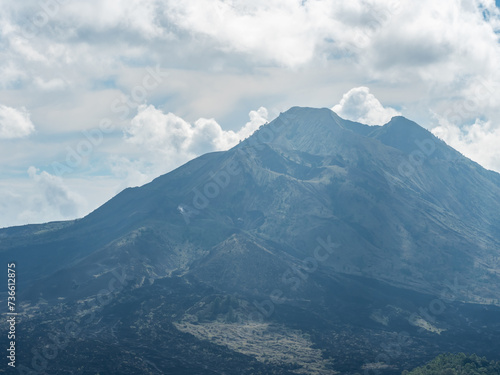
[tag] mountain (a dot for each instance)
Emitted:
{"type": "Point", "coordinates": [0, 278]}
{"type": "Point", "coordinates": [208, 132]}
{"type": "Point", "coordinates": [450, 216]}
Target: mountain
{"type": "Point", "coordinates": [316, 245]}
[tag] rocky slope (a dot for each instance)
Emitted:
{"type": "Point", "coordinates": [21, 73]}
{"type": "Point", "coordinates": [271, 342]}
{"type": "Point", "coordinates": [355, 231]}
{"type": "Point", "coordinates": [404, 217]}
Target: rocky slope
{"type": "Point", "coordinates": [316, 245]}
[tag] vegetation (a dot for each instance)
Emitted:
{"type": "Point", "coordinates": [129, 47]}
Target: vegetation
{"type": "Point", "coordinates": [457, 364]}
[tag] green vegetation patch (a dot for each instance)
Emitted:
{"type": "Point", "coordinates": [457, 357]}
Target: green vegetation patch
{"type": "Point", "coordinates": [457, 364]}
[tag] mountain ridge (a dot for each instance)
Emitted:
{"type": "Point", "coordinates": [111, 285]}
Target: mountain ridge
{"type": "Point", "coordinates": [314, 223]}
{"type": "Point", "coordinates": [137, 204]}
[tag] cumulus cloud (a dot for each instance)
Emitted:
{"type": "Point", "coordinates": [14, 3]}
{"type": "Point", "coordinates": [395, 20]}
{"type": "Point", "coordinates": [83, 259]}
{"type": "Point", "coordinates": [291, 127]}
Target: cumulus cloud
{"type": "Point", "coordinates": [379, 34]}
{"type": "Point", "coordinates": [358, 104]}
{"type": "Point", "coordinates": [394, 38]}
{"type": "Point", "coordinates": [301, 30]}
{"type": "Point", "coordinates": [170, 134]}
{"type": "Point", "coordinates": [166, 141]}
{"type": "Point", "coordinates": [15, 123]}
{"type": "Point", "coordinates": [478, 141]}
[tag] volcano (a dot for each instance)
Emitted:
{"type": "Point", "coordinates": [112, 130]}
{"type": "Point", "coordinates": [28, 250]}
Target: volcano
{"type": "Point", "coordinates": [316, 246]}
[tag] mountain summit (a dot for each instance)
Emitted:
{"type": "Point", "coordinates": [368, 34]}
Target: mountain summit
{"type": "Point", "coordinates": [304, 249]}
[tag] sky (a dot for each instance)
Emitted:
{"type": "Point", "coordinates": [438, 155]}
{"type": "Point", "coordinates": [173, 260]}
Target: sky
{"type": "Point", "coordinates": [97, 96]}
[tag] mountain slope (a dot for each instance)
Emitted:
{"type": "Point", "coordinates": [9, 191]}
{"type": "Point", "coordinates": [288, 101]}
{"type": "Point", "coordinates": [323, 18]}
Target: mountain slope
{"type": "Point", "coordinates": [314, 230]}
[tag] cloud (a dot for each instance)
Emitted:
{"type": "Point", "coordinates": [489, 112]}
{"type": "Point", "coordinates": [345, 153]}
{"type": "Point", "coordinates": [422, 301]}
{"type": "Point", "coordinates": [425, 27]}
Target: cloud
{"type": "Point", "coordinates": [175, 137]}
{"type": "Point", "coordinates": [358, 104]}
{"type": "Point", "coordinates": [139, 17]}
{"type": "Point", "coordinates": [166, 141]}
{"type": "Point", "coordinates": [15, 123]}
{"type": "Point", "coordinates": [41, 198]}
{"type": "Point", "coordinates": [386, 37]}
{"type": "Point", "coordinates": [54, 195]}
{"type": "Point", "coordinates": [246, 27]}
{"type": "Point", "coordinates": [380, 35]}
{"type": "Point", "coordinates": [440, 43]}
{"type": "Point", "coordinates": [50, 85]}
{"type": "Point", "coordinates": [478, 141]}
{"type": "Point", "coordinates": [301, 31]}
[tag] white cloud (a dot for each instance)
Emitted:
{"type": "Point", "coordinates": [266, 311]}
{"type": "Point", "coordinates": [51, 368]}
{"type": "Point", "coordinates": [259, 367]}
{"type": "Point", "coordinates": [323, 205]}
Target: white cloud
{"type": "Point", "coordinates": [436, 43]}
{"type": "Point", "coordinates": [166, 141]}
{"type": "Point", "coordinates": [394, 38]}
{"type": "Point", "coordinates": [275, 30]}
{"type": "Point", "coordinates": [173, 136]}
{"type": "Point", "coordinates": [358, 104]}
{"type": "Point", "coordinates": [478, 141]}
{"type": "Point", "coordinates": [289, 33]}
{"type": "Point", "coordinates": [15, 123]}
{"type": "Point", "coordinates": [378, 34]}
